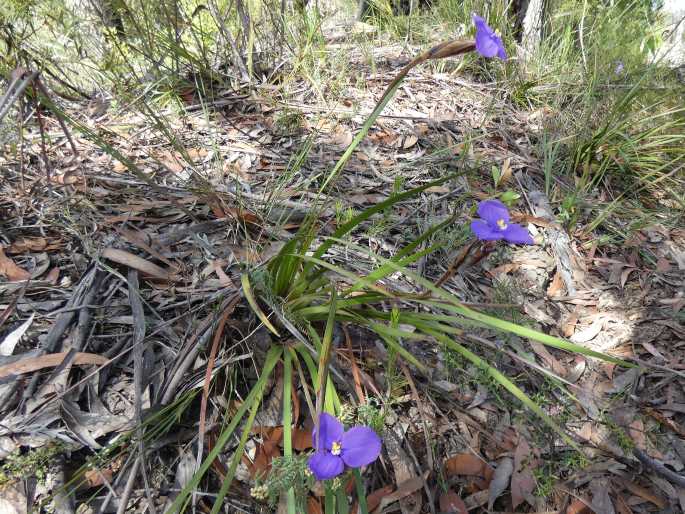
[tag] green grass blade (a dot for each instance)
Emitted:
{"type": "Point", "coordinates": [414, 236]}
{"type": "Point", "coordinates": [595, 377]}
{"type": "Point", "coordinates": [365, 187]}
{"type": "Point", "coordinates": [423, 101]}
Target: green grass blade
{"type": "Point", "coordinates": [367, 213]}
{"type": "Point", "coordinates": [452, 304]}
{"type": "Point", "coordinates": [325, 354]}
{"type": "Point", "coordinates": [361, 494]}
{"type": "Point", "coordinates": [341, 502]}
{"type": "Point", "coordinates": [329, 501]}
{"type": "Point", "coordinates": [508, 385]}
{"type": "Point", "coordinates": [247, 291]}
{"type": "Point", "coordinates": [529, 333]}
{"type": "Point", "coordinates": [288, 421]}
{"type": "Point", "coordinates": [237, 456]}
{"type": "Point", "coordinates": [332, 403]}
{"type": "Point", "coordinates": [254, 397]}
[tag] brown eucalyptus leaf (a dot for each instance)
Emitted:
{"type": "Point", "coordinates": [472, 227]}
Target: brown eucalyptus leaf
{"type": "Point", "coordinates": [450, 502]}
{"type": "Point", "coordinates": [500, 480]}
{"type": "Point", "coordinates": [133, 261]}
{"type": "Point", "coordinates": [522, 479]}
{"type": "Point", "coordinates": [10, 270]}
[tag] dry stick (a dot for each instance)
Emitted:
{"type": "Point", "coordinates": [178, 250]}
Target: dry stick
{"type": "Point", "coordinates": [208, 376]}
{"type": "Point", "coordinates": [429, 452]}
{"type": "Point", "coordinates": [189, 352]}
{"type": "Point", "coordinates": [355, 369]}
{"type": "Point", "coordinates": [305, 385]}
{"type": "Point", "coordinates": [138, 361]}
{"type": "Point", "coordinates": [43, 149]}
{"type": "Point", "coordinates": [20, 129]}
{"type": "Point", "coordinates": [60, 326]}
{"type": "Point", "coordinates": [63, 125]}
{"type": "Point", "coordinates": [659, 468]}
{"type": "Point", "coordinates": [123, 501]}
{"type": "Point", "coordinates": [11, 96]}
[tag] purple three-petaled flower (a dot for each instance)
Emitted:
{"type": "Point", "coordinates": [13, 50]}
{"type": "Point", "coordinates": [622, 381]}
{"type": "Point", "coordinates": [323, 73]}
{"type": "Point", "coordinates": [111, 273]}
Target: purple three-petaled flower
{"type": "Point", "coordinates": [488, 43]}
{"type": "Point", "coordinates": [494, 224]}
{"type": "Point", "coordinates": [357, 447]}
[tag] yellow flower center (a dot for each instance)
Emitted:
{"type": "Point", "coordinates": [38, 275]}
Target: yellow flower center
{"type": "Point", "coordinates": [335, 448]}
{"type": "Point", "coordinates": [501, 224]}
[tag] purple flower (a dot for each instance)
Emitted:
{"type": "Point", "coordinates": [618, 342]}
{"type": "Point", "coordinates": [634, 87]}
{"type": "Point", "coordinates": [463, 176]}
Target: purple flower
{"type": "Point", "coordinates": [488, 43]}
{"type": "Point", "coordinates": [619, 68]}
{"type": "Point", "coordinates": [494, 224]}
{"type": "Point", "coordinates": [355, 448]}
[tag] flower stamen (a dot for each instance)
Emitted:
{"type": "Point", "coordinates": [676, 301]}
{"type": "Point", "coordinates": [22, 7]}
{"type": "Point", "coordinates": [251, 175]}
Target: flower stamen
{"type": "Point", "coordinates": [336, 447]}
{"type": "Point", "coordinates": [501, 224]}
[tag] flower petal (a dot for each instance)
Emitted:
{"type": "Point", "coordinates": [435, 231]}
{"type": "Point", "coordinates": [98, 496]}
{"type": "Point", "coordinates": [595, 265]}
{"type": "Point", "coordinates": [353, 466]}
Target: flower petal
{"type": "Point", "coordinates": [331, 431]}
{"type": "Point", "coordinates": [488, 43]}
{"type": "Point", "coordinates": [324, 465]}
{"type": "Point", "coordinates": [485, 232]}
{"type": "Point", "coordinates": [360, 446]}
{"type": "Point", "coordinates": [501, 52]}
{"type": "Point", "coordinates": [492, 211]}
{"type": "Point", "coordinates": [517, 234]}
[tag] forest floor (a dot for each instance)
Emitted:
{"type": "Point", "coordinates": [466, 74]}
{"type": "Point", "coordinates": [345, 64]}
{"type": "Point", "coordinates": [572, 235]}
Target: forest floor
{"type": "Point", "coordinates": [82, 249]}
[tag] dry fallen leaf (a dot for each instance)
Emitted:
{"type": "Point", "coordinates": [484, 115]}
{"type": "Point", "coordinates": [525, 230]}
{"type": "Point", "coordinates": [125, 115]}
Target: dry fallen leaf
{"type": "Point", "coordinates": [506, 172]}
{"type": "Point", "coordinates": [556, 288]}
{"type": "Point", "coordinates": [522, 479]}
{"type": "Point", "coordinates": [314, 506]}
{"type": "Point", "coordinates": [10, 270]}
{"type": "Point", "coordinates": [637, 433]}
{"type": "Point", "coordinates": [404, 489]}
{"type": "Point", "coordinates": [302, 439]}
{"type": "Point", "coordinates": [643, 492]}
{"type": "Point", "coordinates": [409, 141]}
{"type": "Point", "coordinates": [663, 265]}
{"type": "Point", "coordinates": [500, 480]}
{"type": "Point", "coordinates": [33, 244]}
{"type": "Point", "coordinates": [53, 276]}
{"type": "Point", "coordinates": [7, 346]}
{"type": "Point", "coordinates": [467, 464]}
{"type": "Point", "coordinates": [173, 161]}
{"type": "Point", "coordinates": [451, 503]}
{"type": "Point", "coordinates": [135, 262]}
{"type": "Point", "coordinates": [578, 506]}
{"type": "Point", "coordinates": [48, 361]}
{"type": "Point", "coordinates": [601, 501]}
{"type": "Point", "coordinates": [373, 500]}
